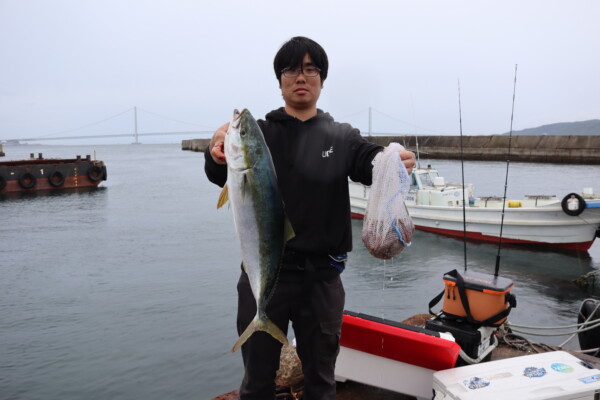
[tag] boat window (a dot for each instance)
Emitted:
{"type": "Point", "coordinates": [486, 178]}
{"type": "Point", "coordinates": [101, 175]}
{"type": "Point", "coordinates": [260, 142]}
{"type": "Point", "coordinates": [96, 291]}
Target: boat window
{"type": "Point", "coordinates": [426, 180]}
{"type": "Point", "coordinates": [413, 180]}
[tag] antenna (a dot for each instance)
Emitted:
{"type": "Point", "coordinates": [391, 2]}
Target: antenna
{"type": "Point", "coordinates": [462, 166]}
{"type": "Point", "coordinates": [506, 179]}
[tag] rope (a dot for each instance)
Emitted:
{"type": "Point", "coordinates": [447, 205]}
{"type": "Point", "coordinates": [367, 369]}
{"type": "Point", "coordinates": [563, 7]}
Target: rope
{"type": "Point", "coordinates": [477, 360]}
{"type": "Point", "coordinates": [596, 325]}
{"type": "Point", "coordinates": [554, 327]}
{"type": "Point", "coordinates": [587, 325]}
{"type": "Point", "coordinates": [584, 322]}
{"type": "Point", "coordinates": [524, 344]}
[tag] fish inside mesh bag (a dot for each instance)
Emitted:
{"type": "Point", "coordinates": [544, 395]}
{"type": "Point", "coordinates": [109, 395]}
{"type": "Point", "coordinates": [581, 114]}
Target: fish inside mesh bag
{"type": "Point", "coordinates": [387, 227]}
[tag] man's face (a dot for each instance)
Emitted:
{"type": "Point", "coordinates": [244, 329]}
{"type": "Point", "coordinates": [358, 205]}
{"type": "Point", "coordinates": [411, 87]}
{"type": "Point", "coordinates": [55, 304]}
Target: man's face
{"type": "Point", "coordinates": [301, 92]}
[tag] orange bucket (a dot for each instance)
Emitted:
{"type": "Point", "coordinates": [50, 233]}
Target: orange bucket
{"type": "Point", "coordinates": [486, 296]}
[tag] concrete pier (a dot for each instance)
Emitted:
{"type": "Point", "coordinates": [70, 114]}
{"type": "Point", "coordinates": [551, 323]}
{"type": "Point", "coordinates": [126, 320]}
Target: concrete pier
{"type": "Point", "coordinates": [194, 144]}
{"type": "Point", "coordinates": [540, 149]}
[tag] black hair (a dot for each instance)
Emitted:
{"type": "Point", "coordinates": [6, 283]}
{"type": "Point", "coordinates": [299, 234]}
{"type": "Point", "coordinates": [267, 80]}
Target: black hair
{"type": "Point", "coordinates": [293, 51]}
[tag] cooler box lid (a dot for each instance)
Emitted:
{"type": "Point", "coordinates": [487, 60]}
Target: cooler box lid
{"type": "Point", "coordinates": [481, 282]}
{"type": "Point", "coordinates": [555, 375]}
{"type": "Point", "coordinates": [398, 341]}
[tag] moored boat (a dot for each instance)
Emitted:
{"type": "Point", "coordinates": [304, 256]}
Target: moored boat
{"type": "Point", "coordinates": [571, 223]}
{"type": "Point", "coordinates": [37, 174]}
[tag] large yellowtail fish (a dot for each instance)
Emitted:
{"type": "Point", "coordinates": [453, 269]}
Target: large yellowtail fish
{"type": "Point", "coordinates": [260, 222]}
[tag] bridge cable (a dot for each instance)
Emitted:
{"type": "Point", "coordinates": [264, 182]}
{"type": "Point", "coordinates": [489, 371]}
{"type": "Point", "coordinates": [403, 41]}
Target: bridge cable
{"type": "Point", "coordinates": [88, 125]}
{"type": "Point", "coordinates": [173, 119]}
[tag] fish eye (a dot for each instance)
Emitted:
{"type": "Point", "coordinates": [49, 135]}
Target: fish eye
{"type": "Point", "coordinates": [242, 132]}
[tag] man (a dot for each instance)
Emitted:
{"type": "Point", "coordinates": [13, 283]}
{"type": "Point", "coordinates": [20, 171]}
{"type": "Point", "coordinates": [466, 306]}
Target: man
{"type": "Point", "coordinates": [313, 157]}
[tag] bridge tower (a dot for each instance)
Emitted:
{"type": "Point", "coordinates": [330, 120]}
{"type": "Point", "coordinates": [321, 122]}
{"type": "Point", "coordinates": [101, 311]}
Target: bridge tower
{"type": "Point", "coordinates": [135, 127]}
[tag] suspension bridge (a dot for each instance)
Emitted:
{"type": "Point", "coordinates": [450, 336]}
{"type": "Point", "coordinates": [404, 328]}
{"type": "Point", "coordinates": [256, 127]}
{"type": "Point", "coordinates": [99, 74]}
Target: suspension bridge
{"type": "Point", "coordinates": [206, 132]}
{"type": "Point", "coordinates": [135, 134]}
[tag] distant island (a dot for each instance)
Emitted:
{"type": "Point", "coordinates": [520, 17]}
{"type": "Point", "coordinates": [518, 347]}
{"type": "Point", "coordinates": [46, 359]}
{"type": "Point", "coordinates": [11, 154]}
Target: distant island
{"type": "Point", "coordinates": [581, 128]}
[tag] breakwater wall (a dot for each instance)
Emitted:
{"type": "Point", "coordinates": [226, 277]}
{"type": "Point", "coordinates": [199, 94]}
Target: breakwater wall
{"type": "Point", "coordinates": [194, 144]}
{"type": "Point", "coordinates": [540, 149]}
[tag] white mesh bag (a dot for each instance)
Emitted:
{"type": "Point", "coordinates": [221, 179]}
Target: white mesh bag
{"type": "Point", "coordinates": [387, 227]}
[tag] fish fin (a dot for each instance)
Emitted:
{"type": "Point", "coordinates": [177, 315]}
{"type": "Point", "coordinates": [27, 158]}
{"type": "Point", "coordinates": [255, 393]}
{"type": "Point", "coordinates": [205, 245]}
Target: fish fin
{"type": "Point", "coordinates": [265, 325]}
{"type": "Point", "coordinates": [273, 330]}
{"type": "Point", "coordinates": [250, 329]}
{"type": "Point", "coordinates": [288, 230]}
{"type": "Point", "coordinates": [223, 197]}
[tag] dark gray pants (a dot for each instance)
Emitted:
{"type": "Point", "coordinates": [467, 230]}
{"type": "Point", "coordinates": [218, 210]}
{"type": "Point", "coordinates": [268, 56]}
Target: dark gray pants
{"type": "Point", "coordinates": [316, 316]}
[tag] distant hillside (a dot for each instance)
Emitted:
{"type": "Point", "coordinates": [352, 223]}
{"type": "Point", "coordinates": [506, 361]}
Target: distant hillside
{"type": "Point", "coordinates": [591, 127]}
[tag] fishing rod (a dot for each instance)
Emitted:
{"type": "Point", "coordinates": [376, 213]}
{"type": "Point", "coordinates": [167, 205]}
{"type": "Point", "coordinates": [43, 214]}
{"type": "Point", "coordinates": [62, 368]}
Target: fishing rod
{"type": "Point", "coordinates": [462, 166]}
{"type": "Point", "coordinates": [506, 178]}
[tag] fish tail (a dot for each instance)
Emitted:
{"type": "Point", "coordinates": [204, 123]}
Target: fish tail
{"type": "Point", "coordinates": [265, 325]}
{"type": "Point", "coordinates": [273, 330]}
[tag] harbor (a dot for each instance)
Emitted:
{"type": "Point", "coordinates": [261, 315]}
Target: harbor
{"type": "Point", "coordinates": [130, 291]}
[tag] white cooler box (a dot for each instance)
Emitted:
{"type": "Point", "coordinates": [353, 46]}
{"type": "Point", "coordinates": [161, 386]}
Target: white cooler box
{"type": "Point", "coordinates": [556, 375]}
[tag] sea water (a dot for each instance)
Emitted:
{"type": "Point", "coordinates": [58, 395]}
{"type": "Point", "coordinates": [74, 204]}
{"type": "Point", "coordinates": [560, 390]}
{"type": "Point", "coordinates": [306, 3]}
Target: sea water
{"type": "Point", "coordinates": [129, 291]}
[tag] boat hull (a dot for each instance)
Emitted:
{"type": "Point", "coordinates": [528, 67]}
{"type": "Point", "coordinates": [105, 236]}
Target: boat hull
{"type": "Point", "coordinates": [41, 174]}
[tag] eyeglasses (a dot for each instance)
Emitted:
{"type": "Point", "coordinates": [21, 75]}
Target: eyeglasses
{"type": "Point", "coordinates": [308, 71]}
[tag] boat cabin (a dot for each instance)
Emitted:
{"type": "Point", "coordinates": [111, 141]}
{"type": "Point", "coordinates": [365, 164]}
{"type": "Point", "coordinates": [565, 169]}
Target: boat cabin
{"type": "Point", "coordinates": [428, 188]}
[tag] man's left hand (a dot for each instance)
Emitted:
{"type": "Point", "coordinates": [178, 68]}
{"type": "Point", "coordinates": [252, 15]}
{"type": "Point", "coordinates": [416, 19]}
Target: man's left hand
{"type": "Point", "coordinates": [409, 160]}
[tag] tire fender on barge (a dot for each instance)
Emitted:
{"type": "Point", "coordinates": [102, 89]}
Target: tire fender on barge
{"type": "Point", "coordinates": [27, 180]}
{"type": "Point", "coordinates": [56, 179]}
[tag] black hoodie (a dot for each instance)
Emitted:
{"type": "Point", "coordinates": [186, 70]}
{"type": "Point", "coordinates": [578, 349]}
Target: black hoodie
{"type": "Point", "coordinates": [313, 160]}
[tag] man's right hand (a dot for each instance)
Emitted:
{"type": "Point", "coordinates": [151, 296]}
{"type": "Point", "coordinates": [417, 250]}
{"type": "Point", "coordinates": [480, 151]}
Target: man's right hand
{"type": "Point", "coordinates": [217, 145]}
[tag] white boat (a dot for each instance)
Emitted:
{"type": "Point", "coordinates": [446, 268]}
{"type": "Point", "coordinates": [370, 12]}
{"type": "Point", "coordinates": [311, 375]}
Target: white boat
{"type": "Point", "coordinates": [572, 222]}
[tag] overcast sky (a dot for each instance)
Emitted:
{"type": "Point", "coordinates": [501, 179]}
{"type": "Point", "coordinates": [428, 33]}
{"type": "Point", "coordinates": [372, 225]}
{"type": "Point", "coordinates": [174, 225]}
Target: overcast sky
{"type": "Point", "coordinates": [186, 65]}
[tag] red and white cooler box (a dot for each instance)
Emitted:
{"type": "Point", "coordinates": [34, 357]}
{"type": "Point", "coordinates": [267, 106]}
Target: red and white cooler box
{"type": "Point", "coordinates": [556, 375]}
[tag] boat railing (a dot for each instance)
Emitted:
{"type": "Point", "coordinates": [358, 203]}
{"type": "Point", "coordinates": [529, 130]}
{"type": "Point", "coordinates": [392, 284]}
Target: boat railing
{"type": "Point", "coordinates": [490, 198]}
{"type": "Point", "coordinates": [540, 196]}
{"type": "Point", "coordinates": [537, 197]}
